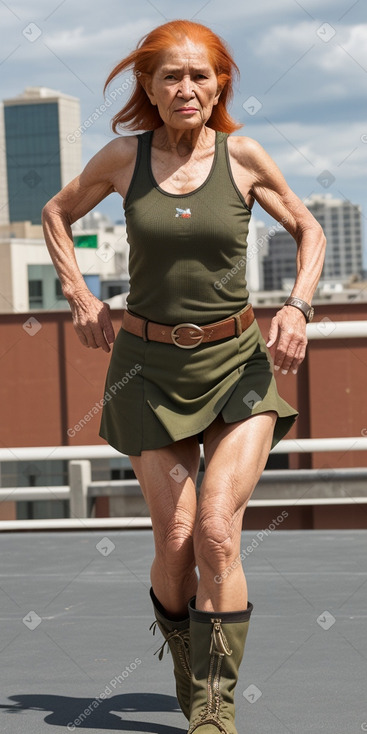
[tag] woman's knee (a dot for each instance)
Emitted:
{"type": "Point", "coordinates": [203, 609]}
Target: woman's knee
{"type": "Point", "coordinates": [216, 538]}
{"type": "Point", "coordinates": [174, 546]}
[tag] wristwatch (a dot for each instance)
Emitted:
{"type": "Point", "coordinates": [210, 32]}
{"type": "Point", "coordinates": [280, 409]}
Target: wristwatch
{"type": "Point", "coordinates": [307, 310]}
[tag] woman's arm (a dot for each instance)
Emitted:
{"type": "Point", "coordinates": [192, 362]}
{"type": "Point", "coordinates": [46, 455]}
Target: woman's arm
{"type": "Point", "coordinates": [287, 333]}
{"type": "Point", "coordinates": [91, 318]}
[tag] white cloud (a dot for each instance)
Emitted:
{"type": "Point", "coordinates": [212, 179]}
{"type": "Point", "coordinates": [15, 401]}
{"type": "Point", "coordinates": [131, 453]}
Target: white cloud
{"type": "Point", "coordinates": [292, 68]}
{"type": "Point", "coordinates": [287, 43]}
{"type": "Point", "coordinates": [279, 40]}
{"type": "Point", "coordinates": [263, 11]}
{"type": "Point", "coordinates": [353, 41]}
{"type": "Point", "coordinates": [302, 149]}
{"type": "Point", "coordinates": [80, 41]}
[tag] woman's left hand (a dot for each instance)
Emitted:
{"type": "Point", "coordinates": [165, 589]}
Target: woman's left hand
{"type": "Point", "coordinates": [287, 338]}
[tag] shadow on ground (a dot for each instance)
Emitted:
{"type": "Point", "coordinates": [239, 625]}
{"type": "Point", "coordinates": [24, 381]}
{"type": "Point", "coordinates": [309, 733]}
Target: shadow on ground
{"type": "Point", "coordinates": [106, 714]}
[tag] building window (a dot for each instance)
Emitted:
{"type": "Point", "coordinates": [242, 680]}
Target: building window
{"type": "Point", "coordinates": [35, 290]}
{"type": "Point", "coordinates": [58, 291]}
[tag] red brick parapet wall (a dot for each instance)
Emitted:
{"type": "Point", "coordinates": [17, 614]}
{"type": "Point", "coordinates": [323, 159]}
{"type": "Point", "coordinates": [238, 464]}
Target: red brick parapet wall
{"type": "Point", "coordinates": [50, 382]}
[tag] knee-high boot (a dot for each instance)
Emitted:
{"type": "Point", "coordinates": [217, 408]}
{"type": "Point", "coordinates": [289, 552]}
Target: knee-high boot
{"type": "Point", "coordinates": [217, 642]}
{"type": "Point", "coordinates": [177, 635]}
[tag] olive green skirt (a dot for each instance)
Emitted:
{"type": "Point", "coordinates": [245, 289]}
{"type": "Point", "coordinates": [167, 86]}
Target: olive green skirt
{"type": "Point", "coordinates": [157, 393]}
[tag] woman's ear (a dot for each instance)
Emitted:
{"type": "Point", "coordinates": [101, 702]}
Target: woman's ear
{"type": "Point", "coordinates": [216, 98]}
{"type": "Point", "coordinates": [146, 82]}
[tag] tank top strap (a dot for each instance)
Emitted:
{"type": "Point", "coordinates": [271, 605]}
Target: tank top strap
{"type": "Point", "coordinates": [223, 174]}
{"type": "Point", "coordinates": [220, 171]}
{"type": "Point", "coordinates": [140, 179]}
{"type": "Point", "coordinates": [145, 148]}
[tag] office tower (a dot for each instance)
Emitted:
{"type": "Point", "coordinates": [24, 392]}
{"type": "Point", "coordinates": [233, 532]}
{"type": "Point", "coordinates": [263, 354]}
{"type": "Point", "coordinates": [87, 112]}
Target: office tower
{"type": "Point", "coordinates": [280, 262]}
{"type": "Point", "coordinates": [41, 152]}
{"type": "Point", "coordinates": [4, 209]}
{"type": "Point", "coordinates": [342, 224]}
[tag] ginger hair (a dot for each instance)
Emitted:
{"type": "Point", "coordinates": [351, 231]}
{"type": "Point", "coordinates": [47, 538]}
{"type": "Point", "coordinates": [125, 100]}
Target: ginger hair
{"type": "Point", "coordinates": [138, 113]}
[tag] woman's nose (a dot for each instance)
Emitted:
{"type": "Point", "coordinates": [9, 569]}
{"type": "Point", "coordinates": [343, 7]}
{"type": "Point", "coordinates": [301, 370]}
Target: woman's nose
{"type": "Point", "coordinates": [185, 86]}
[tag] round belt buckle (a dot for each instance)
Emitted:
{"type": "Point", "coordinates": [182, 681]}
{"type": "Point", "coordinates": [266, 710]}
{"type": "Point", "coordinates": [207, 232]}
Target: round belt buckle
{"type": "Point", "coordinates": [196, 337]}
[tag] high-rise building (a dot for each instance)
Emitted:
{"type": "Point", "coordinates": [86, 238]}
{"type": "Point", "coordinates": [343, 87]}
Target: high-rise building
{"type": "Point", "coordinates": [342, 224]}
{"type": "Point", "coordinates": [41, 153]}
{"type": "Point", "coordinates": [4, 209]}
{"type": "Point", "coordinates": [280, 262]}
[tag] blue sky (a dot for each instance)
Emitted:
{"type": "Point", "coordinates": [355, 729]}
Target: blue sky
{"type": "Point", "coordinates": [305, 62]}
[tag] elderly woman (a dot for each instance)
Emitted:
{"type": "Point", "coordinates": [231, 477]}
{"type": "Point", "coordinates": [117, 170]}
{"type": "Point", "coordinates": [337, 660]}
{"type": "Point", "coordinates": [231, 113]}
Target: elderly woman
{"type": "Point", "coordinates": [199, 370]}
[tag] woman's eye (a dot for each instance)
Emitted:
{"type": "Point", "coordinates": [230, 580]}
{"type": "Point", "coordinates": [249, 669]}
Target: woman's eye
{"type": "Point", "coordinates": [172, 76]}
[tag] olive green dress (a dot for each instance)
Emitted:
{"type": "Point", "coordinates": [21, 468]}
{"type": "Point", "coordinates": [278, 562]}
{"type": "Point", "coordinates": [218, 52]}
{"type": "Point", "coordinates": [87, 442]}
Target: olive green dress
{"type": "Point", "coordinates": [187, 264]}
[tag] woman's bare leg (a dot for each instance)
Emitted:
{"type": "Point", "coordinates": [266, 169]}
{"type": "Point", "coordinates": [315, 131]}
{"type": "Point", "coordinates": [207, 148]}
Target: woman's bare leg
{"type": "Point", "coordinates": [167, 477]}
{"type": "Point", "coordinates": [235, 456]}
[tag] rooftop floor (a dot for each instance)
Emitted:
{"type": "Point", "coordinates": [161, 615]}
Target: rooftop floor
{"type": "Point", "coordinates": [75, 624]}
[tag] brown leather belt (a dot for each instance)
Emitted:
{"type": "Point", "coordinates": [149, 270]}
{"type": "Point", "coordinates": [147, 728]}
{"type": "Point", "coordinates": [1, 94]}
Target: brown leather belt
{"type": "Point", "coordinates": [187, 335]}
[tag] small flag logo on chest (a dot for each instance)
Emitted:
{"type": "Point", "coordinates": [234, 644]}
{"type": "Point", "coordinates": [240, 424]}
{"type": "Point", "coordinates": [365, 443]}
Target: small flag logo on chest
{"type": "Point", "coordinates": [184, 213]}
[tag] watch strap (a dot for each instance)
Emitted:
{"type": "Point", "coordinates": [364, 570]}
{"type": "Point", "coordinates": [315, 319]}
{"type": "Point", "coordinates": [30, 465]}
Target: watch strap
{"type": "Point", "coordinates": [303, 306]}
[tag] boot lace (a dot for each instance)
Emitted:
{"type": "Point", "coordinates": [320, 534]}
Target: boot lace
{"type": "Point", "coordinates": [182, 635]}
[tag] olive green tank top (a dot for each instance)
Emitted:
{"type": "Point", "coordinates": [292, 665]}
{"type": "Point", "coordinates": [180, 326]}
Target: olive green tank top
{"type": "Point", "coordinates": [187, 258]}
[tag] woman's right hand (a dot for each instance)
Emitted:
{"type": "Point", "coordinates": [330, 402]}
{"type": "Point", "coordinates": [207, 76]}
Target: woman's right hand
{"type": "Point", "coordinates": [92, 321]}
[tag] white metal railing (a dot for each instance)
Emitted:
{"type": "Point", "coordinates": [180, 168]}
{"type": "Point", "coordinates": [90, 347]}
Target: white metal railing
{"type": "Point", "coordinates": [82, 489]}
{"type": "Point", "coordinates": [329, 329]}
{"type": "Point", "coordinates": [101, 451]}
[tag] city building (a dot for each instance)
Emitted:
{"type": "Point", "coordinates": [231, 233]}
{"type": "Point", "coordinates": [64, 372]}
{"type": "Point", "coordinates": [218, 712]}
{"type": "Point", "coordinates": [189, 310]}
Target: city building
{"type": "Point", "coordinates": [4, 207]}
{"type": "Point", "coordinates": [39, 154]}
{"type": "Point", "coordinates": [342, 224]}
{"type": "Point", "coordinates": [280, 262]}
{"type": "Point", "coordinates": [28, 279]}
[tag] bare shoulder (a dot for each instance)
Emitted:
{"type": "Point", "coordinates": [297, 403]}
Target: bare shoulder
{"type": "Point", "coordinates": [118, 153]}
{"type": "Point", "coordinates": [124, 145]}
{"type": "Point", "coordinates": [247, 150]}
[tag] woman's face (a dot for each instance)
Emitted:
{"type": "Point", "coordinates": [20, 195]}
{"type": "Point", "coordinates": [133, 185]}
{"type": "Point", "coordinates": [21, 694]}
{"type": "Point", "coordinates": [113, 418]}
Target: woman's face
{"type": "Point", "coordinates": [184, 78]}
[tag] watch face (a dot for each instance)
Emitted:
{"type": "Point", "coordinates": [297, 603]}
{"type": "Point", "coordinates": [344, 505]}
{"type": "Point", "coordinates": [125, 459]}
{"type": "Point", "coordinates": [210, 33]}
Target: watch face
{"type": "Point", "coordinates": [311, 313]}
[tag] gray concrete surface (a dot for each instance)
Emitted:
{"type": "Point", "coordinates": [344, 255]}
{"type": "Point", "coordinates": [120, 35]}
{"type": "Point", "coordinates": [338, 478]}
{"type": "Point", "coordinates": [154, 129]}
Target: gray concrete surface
{"type": "Point", "coordinates": [75, 625]}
